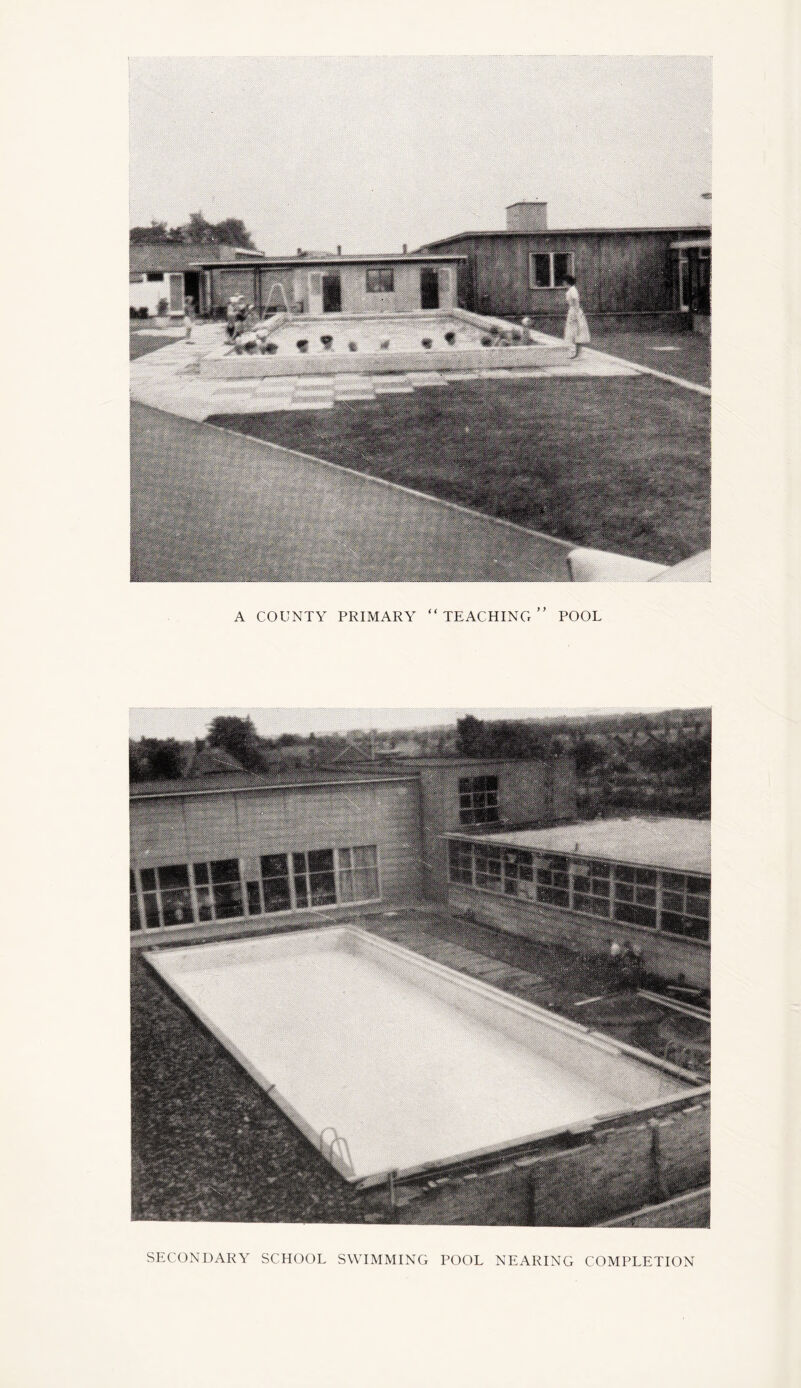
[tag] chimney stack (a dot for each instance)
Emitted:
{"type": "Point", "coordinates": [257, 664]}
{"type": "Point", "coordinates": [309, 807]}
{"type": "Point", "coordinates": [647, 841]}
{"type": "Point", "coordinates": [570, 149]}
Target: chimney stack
{"type": "Point", "coordinates": [527, 216]}
{"type": "Point", "coordinates": [405, 248]}
{"type": "Point", "coordinates": [339, 250]}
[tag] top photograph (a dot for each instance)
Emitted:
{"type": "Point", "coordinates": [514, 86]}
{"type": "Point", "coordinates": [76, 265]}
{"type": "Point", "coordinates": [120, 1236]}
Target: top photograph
{"type": "Point", "coordinates": [403, 319]}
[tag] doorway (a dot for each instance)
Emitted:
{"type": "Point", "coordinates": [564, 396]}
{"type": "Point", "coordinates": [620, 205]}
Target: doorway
{"type": "Point", "coordinates": [429, 288]}
{"type": "Point", "coordinates": [332, 293]}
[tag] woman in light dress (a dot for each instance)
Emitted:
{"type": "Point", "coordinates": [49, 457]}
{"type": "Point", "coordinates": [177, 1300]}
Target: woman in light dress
{"type": "Point", "coordinates": [577, 332]}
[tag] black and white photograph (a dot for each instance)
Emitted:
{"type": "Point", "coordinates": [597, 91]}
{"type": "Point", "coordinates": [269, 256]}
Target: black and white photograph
{"type": "Point", "coordinates": [420, 319]}
{"type": "Point", "coordinates": [421, 966]}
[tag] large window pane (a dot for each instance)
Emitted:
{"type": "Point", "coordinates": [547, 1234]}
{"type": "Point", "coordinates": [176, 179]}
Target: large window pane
{"type": "Point", "coordinates": [542, 271]}
{"type": "Point", "coordinates": [562, 265]}
{"type": "Point", "coordinates": [275, 882]}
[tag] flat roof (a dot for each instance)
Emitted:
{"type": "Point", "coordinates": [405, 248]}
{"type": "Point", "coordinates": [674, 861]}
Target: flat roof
{"type": "Point", "coordinates": [232, 781]}
{"type": "Point", "coordinates": [571, 231]}
{"type": "Point", "coordinates": [680, 845]}
{"type": "Point", "coordinates": [297, 261]}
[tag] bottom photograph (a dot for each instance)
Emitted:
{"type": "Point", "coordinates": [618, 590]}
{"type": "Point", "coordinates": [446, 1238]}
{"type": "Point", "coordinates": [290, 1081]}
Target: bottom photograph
{"type": "Point", "coordinates": [421, 966]}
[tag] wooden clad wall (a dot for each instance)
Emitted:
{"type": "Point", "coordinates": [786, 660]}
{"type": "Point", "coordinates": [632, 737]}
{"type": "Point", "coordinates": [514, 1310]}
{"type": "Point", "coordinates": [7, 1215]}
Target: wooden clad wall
{"type": "Point", "coordinates": [617, 272]}
{"type": "Point", "coordinates": [186, 828]}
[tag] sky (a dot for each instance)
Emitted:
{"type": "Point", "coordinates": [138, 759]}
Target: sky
{"type": "Point", "coordinates": [369, 153]}
{"type": "Point", "coordinates": [187, 723]}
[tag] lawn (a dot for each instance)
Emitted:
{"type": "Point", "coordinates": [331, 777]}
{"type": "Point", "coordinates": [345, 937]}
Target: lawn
{"type": "Point", "coordinates": [682, 354]}
{"type": "Point", "coordinates": [617, 463]}
{"type": "Point", "coordinates": [143, 342]}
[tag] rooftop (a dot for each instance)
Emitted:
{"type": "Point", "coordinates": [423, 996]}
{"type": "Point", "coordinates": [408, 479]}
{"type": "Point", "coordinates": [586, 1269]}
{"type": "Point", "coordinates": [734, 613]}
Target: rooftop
{"type": "Point", "coordinates": [327, 261]}
{"type": "Point", "coordinates": [262, 780]}
{"type": "Point", "coordinates": [680, 845]}
{"type": "Point", "coordinates": [574, 231]}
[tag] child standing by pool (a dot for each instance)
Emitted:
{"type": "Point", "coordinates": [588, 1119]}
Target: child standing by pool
{"type": "Point", "coordinates": [189, 313]}
{"type": "Point", "coordinates": [576, 329]}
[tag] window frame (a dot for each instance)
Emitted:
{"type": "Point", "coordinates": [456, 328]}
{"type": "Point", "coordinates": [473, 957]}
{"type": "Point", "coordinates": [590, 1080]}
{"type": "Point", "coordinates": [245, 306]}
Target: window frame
{"type": "Point", "coordinates": [383, 272]}
{"type": "Point", "coordinates": [553, 282]}
{"type": "Point", "coordinates": [474, 796]}
{"type": "Point", "coordinates": [642, 888]}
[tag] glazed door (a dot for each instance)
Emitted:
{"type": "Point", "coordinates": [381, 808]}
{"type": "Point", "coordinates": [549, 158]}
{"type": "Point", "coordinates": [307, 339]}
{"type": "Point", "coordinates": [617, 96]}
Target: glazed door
{"type": "Point", "coordinates": [429, 289]}
{"type": "Point", "coordinates": [315, 292]}
{"type": "Point", "coordinates": [332, 293]}
{"type": "Point", "coordinates": [176, 294]}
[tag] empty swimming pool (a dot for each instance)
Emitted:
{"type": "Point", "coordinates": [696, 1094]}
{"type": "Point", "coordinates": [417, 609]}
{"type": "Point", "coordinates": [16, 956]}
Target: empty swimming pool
{"type": "Point", "coordinates": [391, 1063]}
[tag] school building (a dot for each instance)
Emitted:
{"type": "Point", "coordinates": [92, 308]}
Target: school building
{"type": "Point", "coordinates": [169, 270]}
{"type": "Point", "coordinates": [648, 276]}
{"type": "Point", "coordinates": [313, 283]}
{"type": "Point", "coordinates": [495, 841]}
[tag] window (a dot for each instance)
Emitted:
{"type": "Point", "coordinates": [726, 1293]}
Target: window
{"type": "Point", "coordinates": [675, 902]}
{"type": "Point", "coordinates": [313, 872]}
{"type": "Point", "coordinates": [685, 905]}
{"type": "Point", "coordinates": [488, 867]}
{"type": "Point", "coordinates": [635, 896]}
{"type": "Point", "coordinates": [553, 882]}
{"type": "Point", "coordinates": [136, 924]}
{"type": "Point", "coordinates": [176, 899]}
{"type": "Point", "coordinates": [591, 887]}
{"type": "Point", "coordinates": [275, 882]}
{"type": "Point", "coordinates": [358, 873]}
{"type": "Point", "coordinates": [460, 861]}
{"type": "Point", "coordinates": [547, 269]}
{"type": "Point", "coordinates": [155, 277]}
{"type": "Point", "coordinates": [478, 800]}
{"type": "Point", "coordinates": [518, 873]}
{"type": "Point", "coordinates": [381, 281]}
{"type": "Point", "coordinates": [226, 888]}
{"type": "Point", "coordinates": [174, 896]}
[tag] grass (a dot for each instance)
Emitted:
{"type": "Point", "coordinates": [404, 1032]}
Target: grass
{"type": "Point", "coordinates": [618, 463]}
{"type": "Point", "coordinates": [143, 339]}
{"type": "Point", "coordinates": [689, 355]}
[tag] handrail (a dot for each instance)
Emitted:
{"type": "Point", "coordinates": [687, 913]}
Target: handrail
{"type": "Point", "coordinates": [276, 284]}
{"type": "Point", "coordinates": [337, 1141]}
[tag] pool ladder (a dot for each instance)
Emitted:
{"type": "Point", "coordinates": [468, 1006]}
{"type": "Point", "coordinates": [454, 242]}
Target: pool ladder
{"type": "Point", "coordinates": [335, 1146]}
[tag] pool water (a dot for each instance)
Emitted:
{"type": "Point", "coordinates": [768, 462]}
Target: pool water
{"type": "Point", "coordinates": [404, 332]}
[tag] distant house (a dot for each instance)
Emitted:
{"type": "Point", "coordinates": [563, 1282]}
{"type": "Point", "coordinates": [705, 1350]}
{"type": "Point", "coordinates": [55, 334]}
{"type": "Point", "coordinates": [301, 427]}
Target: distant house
{"type": "Point", "coordinates": [317, 283]}
{"type": "Point", "coordinates": [626, 272]}
{"type": "Point", "coordinates": [169, 270]}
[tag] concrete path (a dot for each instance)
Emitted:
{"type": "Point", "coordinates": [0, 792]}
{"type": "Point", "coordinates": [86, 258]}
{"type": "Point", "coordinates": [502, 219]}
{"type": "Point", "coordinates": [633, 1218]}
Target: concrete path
{"type": "Point", "coordinates": [212, 506]}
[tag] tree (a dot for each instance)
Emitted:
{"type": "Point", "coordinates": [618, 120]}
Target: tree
{"type": "Point", "coordinates": [231, 231]}
{"type": "Point", "coordinates": [238, 737]}
{"type": "Point", "coordinates": [148, 236]}
{"type": "Point", "coordinates": [470, 736]}
{"type": "Point", "coordinates": [155, 759]}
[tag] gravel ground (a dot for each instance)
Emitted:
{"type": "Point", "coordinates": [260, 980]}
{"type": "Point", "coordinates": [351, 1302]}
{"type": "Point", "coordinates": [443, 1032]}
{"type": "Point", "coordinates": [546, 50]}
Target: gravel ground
{"type": "Point", "coordinates": [207, 1145]}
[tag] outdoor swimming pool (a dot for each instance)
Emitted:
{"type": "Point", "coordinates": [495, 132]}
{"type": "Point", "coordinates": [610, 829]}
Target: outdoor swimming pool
{"type": "Point", "coordinates": [356, 345]}
{"type": "Point", "coordinates": [388, 1062]}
